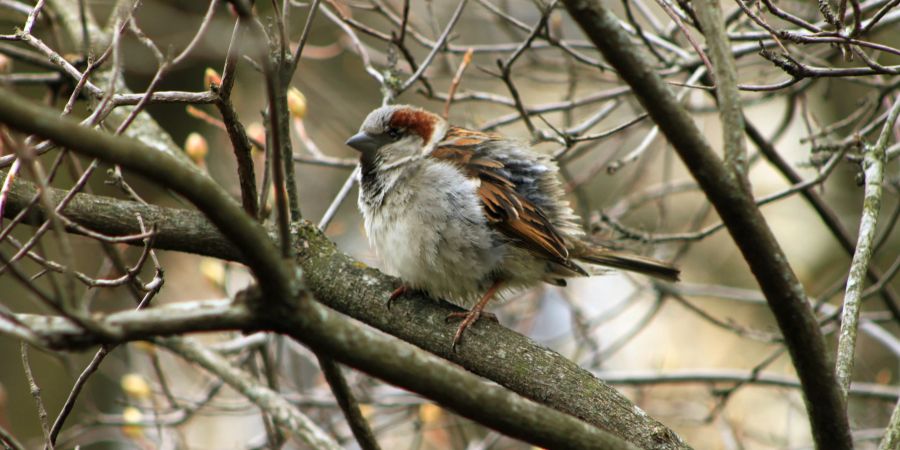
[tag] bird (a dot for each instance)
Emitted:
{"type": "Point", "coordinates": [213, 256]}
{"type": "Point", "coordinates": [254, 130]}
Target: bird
{"type": "Point", "coordinates": [469, 216]}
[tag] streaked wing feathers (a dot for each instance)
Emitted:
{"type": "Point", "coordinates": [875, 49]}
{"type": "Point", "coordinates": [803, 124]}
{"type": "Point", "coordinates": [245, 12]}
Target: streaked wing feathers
{"type": "Point", "coordinates": [506, 209]}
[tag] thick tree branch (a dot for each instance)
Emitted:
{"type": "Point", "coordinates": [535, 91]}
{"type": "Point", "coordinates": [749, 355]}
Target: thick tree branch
{"type": "Point", "coordinates": [271, 271]}
{"type": "Point", "coordinates": [329, 333]}
{"type": "Point", "coordinates": [353, 289]}
{"type": "Point", "coordinates": [494, 352]}
{"type": "Point", "coordinates": [745, 222]}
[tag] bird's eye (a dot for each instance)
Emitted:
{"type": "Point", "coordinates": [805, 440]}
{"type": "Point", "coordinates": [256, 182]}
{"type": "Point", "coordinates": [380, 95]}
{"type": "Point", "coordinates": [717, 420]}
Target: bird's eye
{"type": "Point", "coordinates": [394, 133]}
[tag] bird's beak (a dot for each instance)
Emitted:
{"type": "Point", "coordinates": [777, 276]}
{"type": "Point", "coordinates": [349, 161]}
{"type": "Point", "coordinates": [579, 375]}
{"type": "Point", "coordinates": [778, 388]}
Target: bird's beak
{"type": "Point", "coordinates": [363, 142]}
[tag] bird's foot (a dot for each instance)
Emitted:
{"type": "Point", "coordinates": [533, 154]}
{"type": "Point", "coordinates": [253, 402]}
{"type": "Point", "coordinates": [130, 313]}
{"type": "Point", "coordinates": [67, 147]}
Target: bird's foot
{"type": "Point", "coordinates": [468, 319]}
{"type": "Point", "coordinates": [403, 289]}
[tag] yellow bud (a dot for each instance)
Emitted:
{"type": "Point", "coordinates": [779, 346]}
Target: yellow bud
{"type": "Point", "coordinates": [296, 103]}
{"type": "Point", "coordinates": [196, 147]}
{"type": "Point", "coordinates": [211, 77]}
{"type": "Point", "coordinates": [6, 64]}
{"type": "Point", "coordinates": [270, 202]}
{"type": "Point", "coordinates": [556, 24]}
{"type": "Point", "coordinates": [135, 386]}
{"type": "Point", "coordinates": [429, 413]}
{"type": "Point", "coordinates": [132, 415]}
{"type": "Point", "coordinates": [366, 410]}
{"type": "Point", "coordinates": [144, 346]}
{"type": "Point", "coordinates": [213, 270]}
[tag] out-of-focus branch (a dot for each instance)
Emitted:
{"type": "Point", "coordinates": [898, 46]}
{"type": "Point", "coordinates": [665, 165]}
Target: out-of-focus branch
{"type": "Point", "coordinates": [745, 223]}
{"type": "Point", "coordinates": [437, 47]}
{"type": "Point", "coordinates": [349, 406]}
{"type": "Point", "coordinates": [282, 411]}
{"type": "Point", "coordinates": [891, 439]}
{"type": "Point", "coordinates": [709, 14]}
{"type": "Point", "coordinates": [36, 395]}
{"type": "Point", "coordinates": [10, 441]}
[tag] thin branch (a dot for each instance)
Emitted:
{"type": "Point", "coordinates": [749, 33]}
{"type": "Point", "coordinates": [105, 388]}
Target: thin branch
{"type": "Point", "coordinates": [339, 199]}
{"type": "Point", "coordinates": [36, 395]}
{"type": "Point", "coordinates": [454, 84]}
{"type": "Point", "coordinates": [438, 45]}
{"type": "Point", "coordinates": [349, 406]}
{"type": "Point", "coordinates": [711, 375]}
{"type": "Point", "coordinates": [76, 390]}
{"type": "Point", "coordinates": [709, 13]}
{"type": "Point", "coordinates": [9, 441]}
{"type": "Point", "coordinates": [873, 165]}
{"type": "Point", "coordinates": [891, 439]}
{"type": "Point", "coordinates": [307, 27]}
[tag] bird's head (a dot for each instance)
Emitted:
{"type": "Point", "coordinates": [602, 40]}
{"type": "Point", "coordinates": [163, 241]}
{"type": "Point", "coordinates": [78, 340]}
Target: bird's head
{"type": "Point", "coordinates": [392, 135]}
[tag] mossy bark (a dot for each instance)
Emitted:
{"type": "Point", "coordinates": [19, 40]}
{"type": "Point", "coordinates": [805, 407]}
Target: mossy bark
{"type": "Point", "coordinates": [359, 291]}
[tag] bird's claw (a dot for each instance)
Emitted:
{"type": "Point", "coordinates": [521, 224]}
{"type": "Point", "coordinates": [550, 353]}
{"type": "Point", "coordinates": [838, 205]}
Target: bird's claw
{"type": "Point", "coordinates": [468, 319]}
{"type": "Point", "coordinates": [396, 294]}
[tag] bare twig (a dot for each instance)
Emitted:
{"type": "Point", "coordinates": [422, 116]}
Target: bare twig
{"type": "Point", "coordinates": [438, 45]}
{"type": "Point", "coordinates": [36, 395]}
{"type": "Point", "coordinates": [457, 78]}
{"type": "Point", "coordinates": [347, 401]}
{"type": "Point", "coordinates": [709, 13]}
{"type": "Point", "coordinates": [281, 410]}
{"type": "Point", "coordinates": [873, 165]}
{"type": "Point", "coordinates": [891, 437]}
{"type": "Point", "coordinates": [339, 199]}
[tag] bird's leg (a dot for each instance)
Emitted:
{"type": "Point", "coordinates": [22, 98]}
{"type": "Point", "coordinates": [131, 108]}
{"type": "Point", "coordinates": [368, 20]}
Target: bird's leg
{"type": "Point", "coordinates": [476, 312]}
{"type": "Point", "coordinates": [403, 289]}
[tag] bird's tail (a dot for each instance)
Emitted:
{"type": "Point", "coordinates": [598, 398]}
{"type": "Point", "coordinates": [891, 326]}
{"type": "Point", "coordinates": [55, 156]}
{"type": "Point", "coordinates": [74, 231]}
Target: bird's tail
{"type": "Point", "coordinates": [629, 262]}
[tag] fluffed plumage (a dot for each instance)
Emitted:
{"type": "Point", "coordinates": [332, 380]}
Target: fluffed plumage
{"type": "Point", "coordinates": [458, 213]}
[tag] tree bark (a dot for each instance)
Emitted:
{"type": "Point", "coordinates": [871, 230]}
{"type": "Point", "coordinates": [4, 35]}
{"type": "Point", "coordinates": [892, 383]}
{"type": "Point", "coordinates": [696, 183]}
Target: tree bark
{"type": "Point", "coordinates": [348, 286]}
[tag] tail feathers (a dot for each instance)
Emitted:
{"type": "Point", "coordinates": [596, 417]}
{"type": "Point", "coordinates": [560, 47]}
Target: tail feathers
{"type": "Point", "coordinates": [631, 263]}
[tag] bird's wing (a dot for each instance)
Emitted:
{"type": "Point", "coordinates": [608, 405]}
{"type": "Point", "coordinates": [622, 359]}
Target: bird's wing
{"type": "Point", "coordinates": [507, 211]}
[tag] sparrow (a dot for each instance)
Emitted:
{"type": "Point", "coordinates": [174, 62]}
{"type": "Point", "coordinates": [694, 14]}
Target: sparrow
{"type": "Point", "coordinates": [468, 216]}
